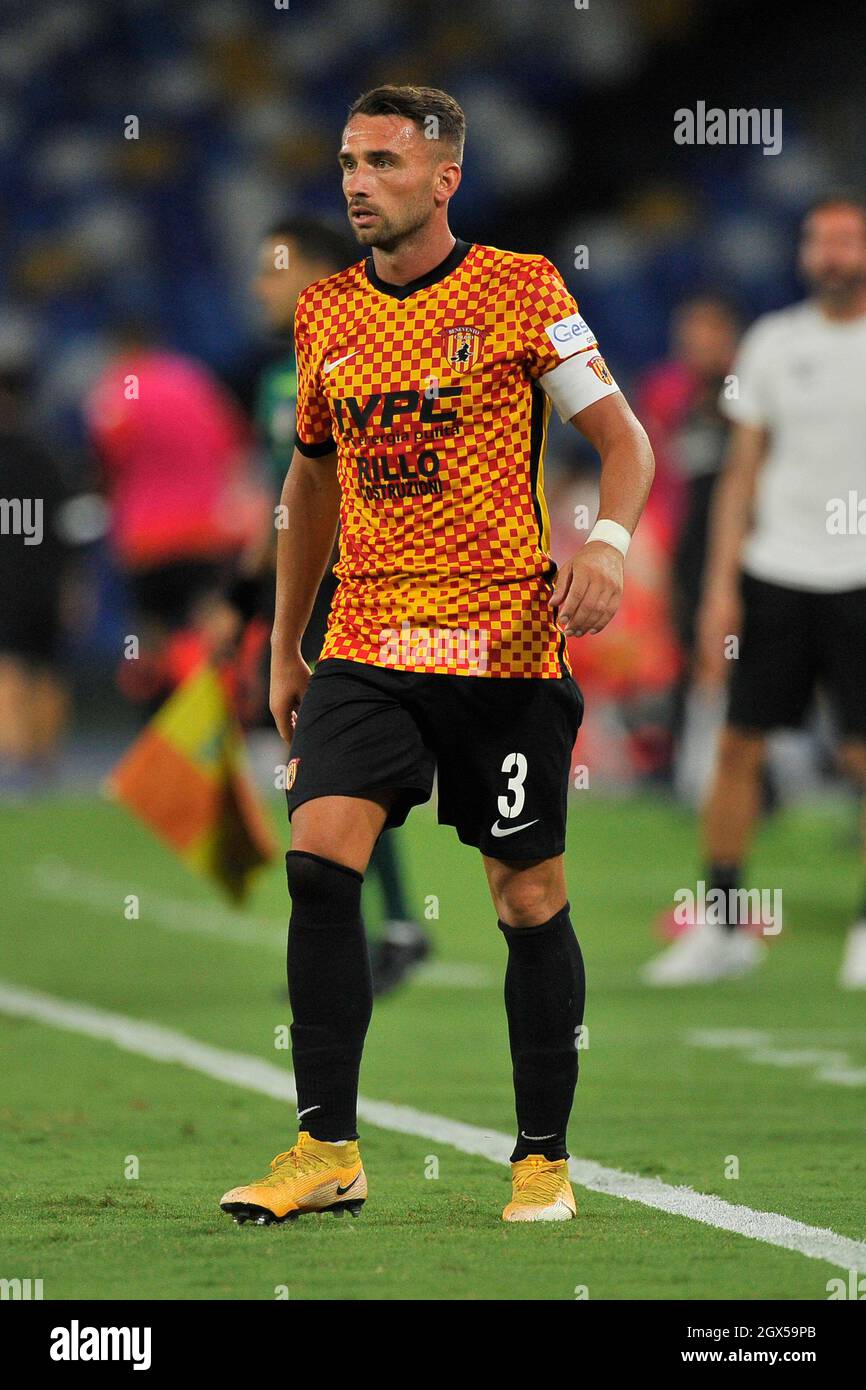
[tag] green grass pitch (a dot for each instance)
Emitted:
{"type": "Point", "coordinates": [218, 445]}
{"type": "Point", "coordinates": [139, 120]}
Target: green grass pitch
{"type": "Point", "coordinates": [76, 1110]}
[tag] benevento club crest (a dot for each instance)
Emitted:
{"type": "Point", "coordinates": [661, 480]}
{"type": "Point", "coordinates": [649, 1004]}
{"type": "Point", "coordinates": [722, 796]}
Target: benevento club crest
{"type": "Point", "coordinates": [600, 367]}
{"type": "Point", "coordinates": [462, 346]}
{"type": "Point", "coordinates": [291, 773]}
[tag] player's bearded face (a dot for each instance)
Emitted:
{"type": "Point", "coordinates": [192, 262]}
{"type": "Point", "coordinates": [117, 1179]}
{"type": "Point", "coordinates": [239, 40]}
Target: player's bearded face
{"type": "Point", "coordinates": [833, 254]}
{"type": "Point", "coordinates": [388, 229]}
{"type": "Point", "coordinates": [389, 174]}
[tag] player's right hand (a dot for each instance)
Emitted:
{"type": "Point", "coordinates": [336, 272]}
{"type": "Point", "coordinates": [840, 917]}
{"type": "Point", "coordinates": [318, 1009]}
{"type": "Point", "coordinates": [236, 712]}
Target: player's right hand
{"type": "Point", "coordinates": [290, 676]}
{"type": "Point", "coordinates": [719, 618]}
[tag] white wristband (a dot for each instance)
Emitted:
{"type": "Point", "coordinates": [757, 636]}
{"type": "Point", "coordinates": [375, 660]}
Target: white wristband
{"type": "Point", "coordinates": [612, 534]}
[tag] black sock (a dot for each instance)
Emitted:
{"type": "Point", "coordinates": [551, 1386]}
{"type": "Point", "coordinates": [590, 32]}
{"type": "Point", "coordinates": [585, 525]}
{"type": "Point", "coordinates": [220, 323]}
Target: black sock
{"type": "Point", "coordinates": [728, 878]}
{"type": "Point", "coordinates": [545, 992]}
{"type": "Point", "coordinates": [386, 864]}
{"type": "Point", "coordinates": [330, 992]}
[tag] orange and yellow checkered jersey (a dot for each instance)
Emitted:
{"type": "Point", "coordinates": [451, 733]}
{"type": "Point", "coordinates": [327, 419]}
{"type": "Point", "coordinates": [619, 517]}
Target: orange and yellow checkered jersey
{"type": "Point", "coordinates": [430, 393]}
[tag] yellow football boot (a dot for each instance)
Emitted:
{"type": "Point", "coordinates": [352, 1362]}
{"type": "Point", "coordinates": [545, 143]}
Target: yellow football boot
{"type": "Point", "coordinates": [311, 1176]}
{"type": "Point", "coordinates": [540, 1191]}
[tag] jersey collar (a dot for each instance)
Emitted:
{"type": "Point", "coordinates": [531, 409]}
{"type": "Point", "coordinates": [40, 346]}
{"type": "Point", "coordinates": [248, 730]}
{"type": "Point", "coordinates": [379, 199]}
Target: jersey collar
{"type": "Point", "coordinates": [458, 252]}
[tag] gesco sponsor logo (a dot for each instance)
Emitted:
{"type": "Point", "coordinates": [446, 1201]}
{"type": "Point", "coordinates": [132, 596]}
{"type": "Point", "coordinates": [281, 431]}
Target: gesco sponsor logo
{"type": "Point", "coordinates": [571, 335]}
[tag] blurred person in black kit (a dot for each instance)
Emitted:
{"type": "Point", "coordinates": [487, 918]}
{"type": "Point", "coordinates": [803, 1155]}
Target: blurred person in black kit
{"type": "Point", "coordinates": [293, 254]}
{"type": "Point", "coordinates": [33, 562]}
{"type": "Point", "coordinates": [679, 400]}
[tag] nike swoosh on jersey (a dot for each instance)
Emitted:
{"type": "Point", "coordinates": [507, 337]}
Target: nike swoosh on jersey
{"type": "Point", "coordinates": [329, 367]}
{"type": "Point", "coordinates": [500, 830]}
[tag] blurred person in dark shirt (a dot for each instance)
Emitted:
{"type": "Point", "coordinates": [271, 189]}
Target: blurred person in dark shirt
{"type": "Point", "coordinates": [33, 561]}
{"type": "Point", "coordinates": [293, 253]}
{"type": "Point", "coordinates": [679, 401]}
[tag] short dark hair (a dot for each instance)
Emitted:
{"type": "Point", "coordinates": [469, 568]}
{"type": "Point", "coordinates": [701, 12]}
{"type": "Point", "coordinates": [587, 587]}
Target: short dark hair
{"type": "Point", "coordinates": [711, 297]}
{"type": "Point", "coordinates": [838, 198]}
{"type": "Point", "coordinates": [417, 104]}
{"type": "Point", "coordinates": [316, 240]}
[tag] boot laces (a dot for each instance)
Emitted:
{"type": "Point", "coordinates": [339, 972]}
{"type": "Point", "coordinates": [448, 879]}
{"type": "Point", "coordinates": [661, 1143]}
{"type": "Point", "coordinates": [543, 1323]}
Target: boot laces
{"type": "Point", "coordinates": [300, 1159]}
{"type": "Point", "coordinates": [544, 1179]}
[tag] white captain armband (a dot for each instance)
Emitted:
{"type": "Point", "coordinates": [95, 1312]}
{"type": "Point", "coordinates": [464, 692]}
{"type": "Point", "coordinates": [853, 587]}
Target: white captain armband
{"type": "Point", "coordinates": [577, 382]}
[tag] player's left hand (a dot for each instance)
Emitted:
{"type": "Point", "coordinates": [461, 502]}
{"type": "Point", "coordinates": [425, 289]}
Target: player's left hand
{"type": "Point", "coordinates": [588, 589]}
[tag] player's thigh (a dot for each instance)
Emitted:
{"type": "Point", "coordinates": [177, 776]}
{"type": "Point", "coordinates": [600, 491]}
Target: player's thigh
{"type": "Point", "coordinates": [357, 761]}
{"type": "Point", "coordinates": [526, 893]}
{"type": "Point", "coordinates": [503, 750]}
{"type": "Point", "coordinates": [775, 672]}
{"type": "Point", "coordinates": [341, 828]}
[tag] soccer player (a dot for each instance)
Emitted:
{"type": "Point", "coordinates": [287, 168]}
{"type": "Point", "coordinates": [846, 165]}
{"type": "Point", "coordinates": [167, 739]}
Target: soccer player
{"type": "Point", "coordinates": [294, 253]}
{"type": "Point", "coordinates": [35, 561]}
{"type": "Point", "coordinates": [426, 377]}
{"type": "Point", "coordinates": [787, 565]}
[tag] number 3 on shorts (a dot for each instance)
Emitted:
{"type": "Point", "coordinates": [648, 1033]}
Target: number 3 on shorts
{"type": "Point", "coordinates": [516, 766]}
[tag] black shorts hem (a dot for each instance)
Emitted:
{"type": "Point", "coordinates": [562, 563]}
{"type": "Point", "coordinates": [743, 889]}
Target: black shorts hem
{"type": "Point", "coordinates": [537, 858]}
{"type": "Point", "coordinates": [479, 841]}
{"type": "Point", "coordinates": [36, 659]}
{"type": "Point", "coordinates": [752, 725]}
{"type": "Point", "coordinates": [407, 797]}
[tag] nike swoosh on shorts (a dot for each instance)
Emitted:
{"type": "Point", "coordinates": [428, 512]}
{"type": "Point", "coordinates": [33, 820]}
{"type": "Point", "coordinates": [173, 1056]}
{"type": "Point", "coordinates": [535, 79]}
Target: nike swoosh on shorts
{"type": "Point", "coordinates": [500, 830]}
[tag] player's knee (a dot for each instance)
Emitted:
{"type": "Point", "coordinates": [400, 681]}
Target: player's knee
{"type": "Point", "coordinates": [322, 890]}
{"type": "Point", "coordinates": [524, 900]}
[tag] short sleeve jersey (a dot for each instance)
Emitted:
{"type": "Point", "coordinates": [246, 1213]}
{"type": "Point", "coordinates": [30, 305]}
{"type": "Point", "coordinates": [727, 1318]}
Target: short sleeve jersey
{"type": "Point", "coordinates": [800, 376]}
{"type": "Point", "coordinates": [430, 394]}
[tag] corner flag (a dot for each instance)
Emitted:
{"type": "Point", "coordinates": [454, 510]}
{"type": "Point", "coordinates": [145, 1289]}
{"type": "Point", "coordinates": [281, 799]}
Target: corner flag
{"type": "Point", "coordinates": [186, 778]}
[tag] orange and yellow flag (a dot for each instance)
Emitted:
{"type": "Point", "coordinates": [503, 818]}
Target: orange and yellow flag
{"type": "Point", "coordinates": [186, 777]}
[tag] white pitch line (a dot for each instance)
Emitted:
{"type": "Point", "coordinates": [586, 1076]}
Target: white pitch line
{"type": "Point", "coordinates": [827, 1065]}
{"type": "Point", "coordinates": [54, 878]}
{"type": "Point", "coordinates": [254, 1074]}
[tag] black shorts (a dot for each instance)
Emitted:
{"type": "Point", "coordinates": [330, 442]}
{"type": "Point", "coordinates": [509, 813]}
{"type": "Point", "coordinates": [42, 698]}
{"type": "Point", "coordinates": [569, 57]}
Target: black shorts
{"type": "Point", "coordinates": [168, 593]}
{"type": "Point", "coordinates": [501, 750]}
{"type": "Point", "coordinates": [30, 632]}
{"type": "Point", "coordinates": [794, 641]}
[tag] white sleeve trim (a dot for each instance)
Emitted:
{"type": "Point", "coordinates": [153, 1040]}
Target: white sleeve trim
{"type": "Point", "coordinates": [573, 385]}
